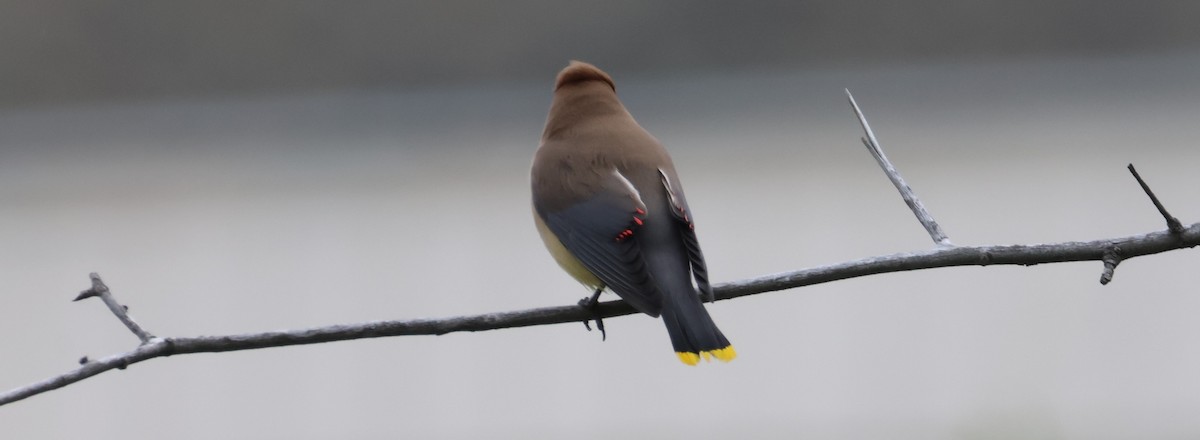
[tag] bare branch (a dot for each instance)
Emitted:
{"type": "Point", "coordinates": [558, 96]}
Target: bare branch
{"type": "Point", "coordinates": [122, 312]}
{"type": "Point", "coordinates": [906, 192]}
{"type": "Point", "coordinates": [1173, 223]}
{"type": "Point", "coordinates": [1024, 255]}
{"type": "Point", "coordinates": [1110, 251]}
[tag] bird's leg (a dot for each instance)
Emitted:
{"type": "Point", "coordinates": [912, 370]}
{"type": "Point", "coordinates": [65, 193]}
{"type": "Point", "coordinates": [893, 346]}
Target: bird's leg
{"type": "Point", "coordinates": [590, 304]}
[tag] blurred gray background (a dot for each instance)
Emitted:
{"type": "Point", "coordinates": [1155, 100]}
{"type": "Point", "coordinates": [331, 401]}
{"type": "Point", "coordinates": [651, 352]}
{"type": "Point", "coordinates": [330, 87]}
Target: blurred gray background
{"type": "Point", "coordinates": [247, 166]}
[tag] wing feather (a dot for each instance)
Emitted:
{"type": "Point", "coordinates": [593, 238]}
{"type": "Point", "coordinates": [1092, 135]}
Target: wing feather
{"type": "Point", "coordinates": [687, 232]}
{"type": "Point", "coordinates": [602, 232]}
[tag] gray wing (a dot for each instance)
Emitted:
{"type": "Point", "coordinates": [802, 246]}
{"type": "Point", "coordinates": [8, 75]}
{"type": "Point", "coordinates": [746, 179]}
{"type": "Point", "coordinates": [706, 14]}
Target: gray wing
{"type": "Point", "coordinates": [603, 233]}
{"type": "Point", "coordinates": [682, 214]}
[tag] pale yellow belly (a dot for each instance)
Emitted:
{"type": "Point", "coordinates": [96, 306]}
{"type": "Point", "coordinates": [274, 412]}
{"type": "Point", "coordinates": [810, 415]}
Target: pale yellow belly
{"type": "Point", "coordinates": [564, 258]}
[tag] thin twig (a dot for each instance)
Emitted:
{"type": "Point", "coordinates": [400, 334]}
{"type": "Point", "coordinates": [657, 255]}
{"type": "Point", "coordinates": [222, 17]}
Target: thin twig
{"type": "Point", "coordinates": [1173, 223]}
{"type": "Point", "coordinates": [906, 192]}
{"type": "Point", "coordinates": [1112, 257]}
{"type": "Point", "coordinates": [100, 289]}
{"type": "Point", "coordinates": [1023, 255]}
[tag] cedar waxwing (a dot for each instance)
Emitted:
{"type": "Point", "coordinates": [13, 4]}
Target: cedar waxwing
{"type": "Point", "coordinates": [610, 208]}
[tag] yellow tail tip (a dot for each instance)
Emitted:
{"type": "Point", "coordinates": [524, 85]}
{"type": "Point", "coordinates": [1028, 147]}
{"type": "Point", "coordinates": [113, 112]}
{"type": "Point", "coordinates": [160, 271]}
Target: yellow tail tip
{"type": "Point", "coordinates": [692, 358]}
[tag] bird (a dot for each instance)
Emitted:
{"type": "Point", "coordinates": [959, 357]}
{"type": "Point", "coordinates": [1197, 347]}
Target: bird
{"type": "Point", "coordinates": [609, 206]}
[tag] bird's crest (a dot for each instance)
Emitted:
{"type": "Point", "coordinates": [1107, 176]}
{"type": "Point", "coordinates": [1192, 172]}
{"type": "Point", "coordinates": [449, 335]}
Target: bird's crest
{"type": "Point", "coordinates": [579, 72]}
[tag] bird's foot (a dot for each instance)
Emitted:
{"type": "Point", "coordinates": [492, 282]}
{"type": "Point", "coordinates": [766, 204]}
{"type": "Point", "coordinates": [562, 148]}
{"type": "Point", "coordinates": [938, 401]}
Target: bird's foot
{"type": "Point", "coordinates": [590, 304]}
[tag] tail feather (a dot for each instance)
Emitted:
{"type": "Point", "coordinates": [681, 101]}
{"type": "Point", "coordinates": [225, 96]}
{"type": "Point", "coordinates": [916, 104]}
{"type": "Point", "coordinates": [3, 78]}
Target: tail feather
{"type": "Point", "coordinates": [693, 333]}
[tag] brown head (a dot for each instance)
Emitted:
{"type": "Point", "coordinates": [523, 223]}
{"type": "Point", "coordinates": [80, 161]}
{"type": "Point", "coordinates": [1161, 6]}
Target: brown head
{"type": "Point", "coordinates": [584, 95]}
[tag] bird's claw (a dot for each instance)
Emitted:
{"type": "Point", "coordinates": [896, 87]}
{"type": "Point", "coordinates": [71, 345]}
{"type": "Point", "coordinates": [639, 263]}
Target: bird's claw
{"type": "Point", "coordinates": [590, 304]}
